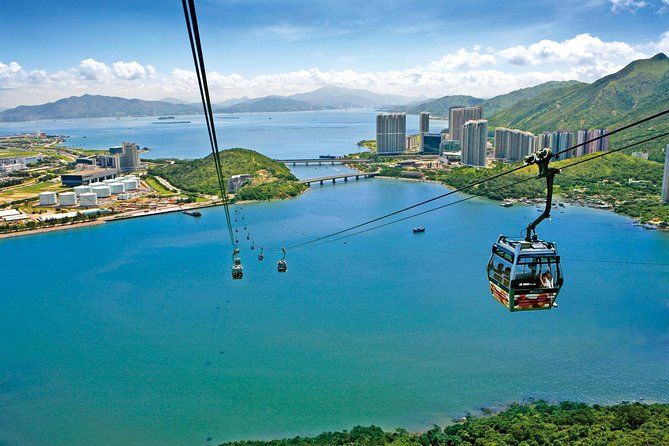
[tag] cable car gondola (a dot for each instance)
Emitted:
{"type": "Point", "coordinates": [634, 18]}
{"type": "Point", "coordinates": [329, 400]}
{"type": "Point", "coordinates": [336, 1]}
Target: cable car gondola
{"type": "Point", "coordinates": [253, 245]}
{"type": "Point", "coordinates": [281, 265]}
{"type": "Point", "coordinates": [524, 274]}
{"type": "Point", "coordinates": [261, 256]}
{"type": "Point", "coordinates": [237, 269]}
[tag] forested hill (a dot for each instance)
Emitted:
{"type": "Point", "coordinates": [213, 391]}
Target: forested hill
{"type": "Point", "coordinates": [566, 424]}
{"type": "Point", "coordinates": [270, 179]}
{"type": "Point", "coordinates": [638, 90]}
{"type": "Point", "coordinates": [94, 106]}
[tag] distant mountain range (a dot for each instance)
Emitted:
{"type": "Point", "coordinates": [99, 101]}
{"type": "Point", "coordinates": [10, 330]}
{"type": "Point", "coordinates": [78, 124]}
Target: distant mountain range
{"type": "Point", "coordinates": [93, 106]}
{"type": "Point", "coordinates": [340, 97]}
{"type": "Point", "coordinates": [269, 104]}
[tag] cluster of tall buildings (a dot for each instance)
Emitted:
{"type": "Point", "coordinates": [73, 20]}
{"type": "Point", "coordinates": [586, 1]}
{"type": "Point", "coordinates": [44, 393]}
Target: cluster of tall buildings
{"type": "Point", "coordinates": [513, 145]}
{"type": "Point", "coordinates": [458, 116]}
{"type": "Point", "coordinates": [124, 158]}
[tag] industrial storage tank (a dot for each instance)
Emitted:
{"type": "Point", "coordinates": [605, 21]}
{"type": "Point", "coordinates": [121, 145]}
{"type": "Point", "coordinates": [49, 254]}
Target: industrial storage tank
{"type": "Point", "coordinates": [47, 198]}
{"type": "Point", "coordinates": [88, 199]}
{"type": "Point", "coordinates": [110, 180]}
{"type": "Point", "coordinates": [78, 190]}
{"type": "Point", "coordinates": [102, 191]}
{"type": "Point", "coordinates": [117, 187]}
{"type": "Point", "coordinates": [131, 184]}
{"type": "Point", "coordinates": [67, 198]}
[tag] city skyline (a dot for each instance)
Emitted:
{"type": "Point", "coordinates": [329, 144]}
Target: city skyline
{"type": "Point", "coordinates": [257, 48]}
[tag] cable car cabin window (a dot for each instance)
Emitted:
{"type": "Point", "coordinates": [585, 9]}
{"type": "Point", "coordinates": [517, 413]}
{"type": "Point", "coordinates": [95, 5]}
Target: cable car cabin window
{"type": "Point", "coordinates": [499, 267]}
{"type": "Point", "coordinates": [537, 272]}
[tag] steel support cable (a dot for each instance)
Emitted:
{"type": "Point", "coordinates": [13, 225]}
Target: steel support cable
{"type": "Point", "coordinates": [601, 154]}
{"type": "Point", "coordinates": [476, 183]}
{"type": "Point", "coordinates": [198, 60]}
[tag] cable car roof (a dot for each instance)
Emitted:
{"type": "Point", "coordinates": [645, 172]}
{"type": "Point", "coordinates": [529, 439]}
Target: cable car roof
{"type": "Point", "coordinates": [534, 248]}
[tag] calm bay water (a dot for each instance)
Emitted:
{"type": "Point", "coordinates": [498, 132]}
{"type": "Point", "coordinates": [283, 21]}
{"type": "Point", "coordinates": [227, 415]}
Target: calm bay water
{"type": "Point", "coordinates": [278, 135]}
{"type": "Point", "coordinates": [133, 332]}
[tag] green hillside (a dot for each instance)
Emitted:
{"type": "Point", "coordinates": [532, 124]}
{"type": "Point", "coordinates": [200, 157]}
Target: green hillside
{"type": "Point", "coordinates": [440, 106]}
{"type": "Point", "coordinates": [566, 424]}
{"type": "Point", "coordinates": [638, 90]}
{"type": "Point", "coordinates": [505, 101]}
{"type": "Point", "coordinates": [270, 179]}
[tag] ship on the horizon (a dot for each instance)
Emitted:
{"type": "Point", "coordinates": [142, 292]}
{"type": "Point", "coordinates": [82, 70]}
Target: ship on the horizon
{"type": "Point", "coordinates": [166, 117]}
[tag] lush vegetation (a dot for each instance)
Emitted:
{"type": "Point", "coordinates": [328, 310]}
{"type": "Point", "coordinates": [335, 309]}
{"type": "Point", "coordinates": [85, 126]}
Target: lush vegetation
{"type": "Point", "coordinates": [565, 424]}
{"type": "Point", "coordinates": [638, 90]}
{"type": "Point", "coordinates": [270, 179]}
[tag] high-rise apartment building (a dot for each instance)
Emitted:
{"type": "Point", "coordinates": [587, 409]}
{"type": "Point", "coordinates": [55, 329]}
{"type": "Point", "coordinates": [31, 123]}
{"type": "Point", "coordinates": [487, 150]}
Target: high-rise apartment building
{"type": "Point", "coordinates": [474, 139]}
{"type": "Point", "coordinates": [665, 179]}
{"type": "Point", "coordinates": [424, 123]}
{"type": "Point", "coordinates": [562, 140]}
{"type": "Point", "coordinates": [391, 133]}
{"type": "Point", "coordinates": [513, 145]}
{"type": "Point", "coordinates": [457, 116]}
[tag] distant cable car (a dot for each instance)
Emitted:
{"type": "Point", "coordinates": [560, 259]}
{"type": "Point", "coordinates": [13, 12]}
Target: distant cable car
{"type": "Point", "coordinates": [237, 269]}
{"type": "Point", "coordinates": [253, 246]}
{"type": "Point", "coordinates": [261, 256]}
{"type": "Point", "coordinates": [281, 265]}
{"type": "Point", "coordinates": [524, 274]}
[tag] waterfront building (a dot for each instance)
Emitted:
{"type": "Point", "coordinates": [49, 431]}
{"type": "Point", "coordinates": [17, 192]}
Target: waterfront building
{"type": "Point", "coordinates": [87, 175]}
{"type": "Point", "coordinates": [512, 144]}
{"type": "Point", "coordinates": [562, 140]}
{"type": "Point", "coordinates": [129, 158]}
{"type": "Point", "coordinates": [391, 133]}
{"type": "Point", "coordinates": [665, 178]}
{"type": "Point", "coordinates": [430, 143]}
{"type": "Point", "coordinates": [474, 141]}
{"type": "Point", "coordinates": [413, 143]}
{"type": "Point", "coordinates": [108, 161]}
{"type": "Point", "coordinates": [424, 123]}
{"type": "Point", "coordinates": [237, 181]}
{"type": "Point", "coordinates": [450, 146]}
{"type": "Point", "coordinates": [458, 116]}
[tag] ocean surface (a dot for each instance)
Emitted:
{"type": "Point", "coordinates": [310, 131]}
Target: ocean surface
{"type": "Point", "coordinates": [133, 332]}
{"type": "Point", "coordinates": [278, 135]}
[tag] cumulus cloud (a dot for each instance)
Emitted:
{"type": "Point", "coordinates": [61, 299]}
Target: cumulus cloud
{"type": "Point", "coordinates": [475, 71]}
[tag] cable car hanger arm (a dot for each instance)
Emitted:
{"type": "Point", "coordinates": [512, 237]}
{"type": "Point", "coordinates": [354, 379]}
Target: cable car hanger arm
{"type": "Point", "coordinates": [542, 158]}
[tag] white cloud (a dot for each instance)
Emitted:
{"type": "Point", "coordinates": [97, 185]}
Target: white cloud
{"type": "Point", "coordinates": [476, 71]}
{"type": "Point", "coordinates": [129, 70]}
{"type": "Point", "coordinates": [627, 5]}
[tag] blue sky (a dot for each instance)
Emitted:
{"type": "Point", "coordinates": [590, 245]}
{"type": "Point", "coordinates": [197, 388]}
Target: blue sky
{"type": "Point", "coordinates": [256, 47]}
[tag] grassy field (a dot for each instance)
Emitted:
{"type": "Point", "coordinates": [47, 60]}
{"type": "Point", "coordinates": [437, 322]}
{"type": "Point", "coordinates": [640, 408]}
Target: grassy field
{"type": "Point", "coordinates": [30, 190]}
{"type": "Point", "coordinates": [157, 186]}
{"type": "Point", "coordinates": [12, 153]}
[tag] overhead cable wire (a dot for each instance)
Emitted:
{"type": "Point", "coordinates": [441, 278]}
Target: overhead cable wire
{"type": "Point", "coordinates": [198, 60]}
{"type": "Point", "coordinates": [477, 183]}
{"type": "Point", "coordinates": [601, 154]}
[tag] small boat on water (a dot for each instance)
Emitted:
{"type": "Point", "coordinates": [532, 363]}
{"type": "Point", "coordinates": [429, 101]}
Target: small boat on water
{"type": "Point", "coordinates": [506, 204]}
{"type": "Point", "coordinates": [166, 117]}
{"type": "Point", "coordinates": [193, 213]}
{"type": "Point", "coordinates": [418, 230]}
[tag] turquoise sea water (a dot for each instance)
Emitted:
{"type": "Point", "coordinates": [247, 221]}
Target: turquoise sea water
{"type": "Point", "coordinates": [133, 333]}
{"type": "Point", "coordinates": [106, 332]}
{"type": "Point", "coordinates": [278, 135]}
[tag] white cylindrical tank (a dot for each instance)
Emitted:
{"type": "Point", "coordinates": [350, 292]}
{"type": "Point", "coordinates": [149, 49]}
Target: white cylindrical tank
{"type": "Point", "coordinates": [78, 190]}
{"type": "Point", "coordinates": [117, 187]}
{"type": "Point", "coordinates": [67, 198]}
{"type": "Point", "coordinates": [102, 191]}
{"type": "Point", "coordinates": [110, 180]}
{"type": "Point", "coordinates": [47, 198]}
{"type": "Point", "coordinates": [88, 199]}
{"type": "Point", "coordinates": [131, 184]}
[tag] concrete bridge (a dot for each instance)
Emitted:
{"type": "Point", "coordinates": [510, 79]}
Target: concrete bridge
{"type": "Point", "coordinates": [344, 176]}
{"type": "Point", "coordinates": [320, 161]}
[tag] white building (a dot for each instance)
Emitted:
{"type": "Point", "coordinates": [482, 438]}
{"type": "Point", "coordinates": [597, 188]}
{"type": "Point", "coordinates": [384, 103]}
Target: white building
{"type": "Point", "coordinates": [665, 179]}
{"type": "Point", "coordinates": [474, 140]}
{"type": "Point", "coordinates": [458, 116]}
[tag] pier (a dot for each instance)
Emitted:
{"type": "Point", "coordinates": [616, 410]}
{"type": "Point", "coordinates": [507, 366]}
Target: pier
{"type": "Point", "coordinates": [320, 161]}
{"type": "Point", "coordinates": [344, 176]}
